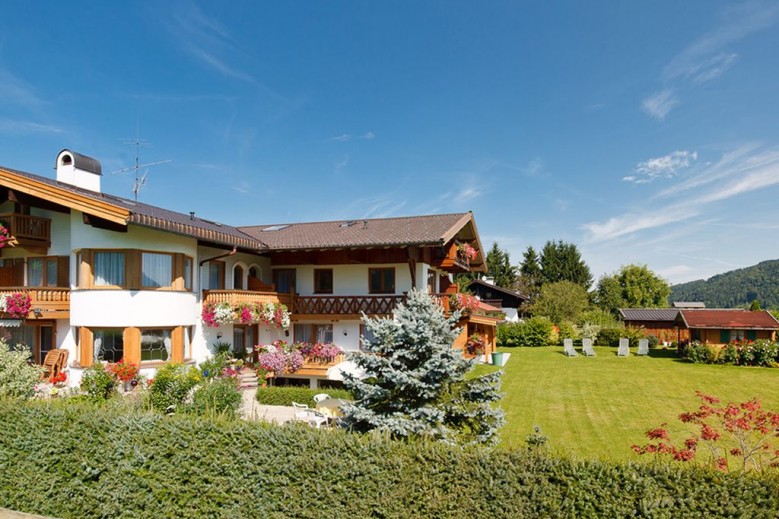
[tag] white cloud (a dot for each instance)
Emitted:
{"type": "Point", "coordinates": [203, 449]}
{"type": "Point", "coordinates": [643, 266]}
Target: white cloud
{"type": "Point", "coordinates": [713, 67]}
{"type": "Point", "coordinates": [534, 167]}
{"type": "Point", "coordinates": [468, 193]}
{"type": "Point", "coordinates": [674, 271]}
{"type": "Point", "coordinates": [24, 127]}
{"type": "Point", "coordinates": [340, 166]}
{"type": "Point", "coordinates": [659, 104]}
{"type": "Point", "coordinates": [14, 91]}
{"type": "Point", "coordinates": [661, 167]}
{"type": "Point", "coordinates": [629, 223]}
{"type": "Point", "coordinates": [346, 137]}
{"type": "Point", "coordinates": [243, 188]}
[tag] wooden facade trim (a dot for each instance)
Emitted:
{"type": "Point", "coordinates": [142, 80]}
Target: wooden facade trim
{"type": "Point", "coordinates": [64, 197]}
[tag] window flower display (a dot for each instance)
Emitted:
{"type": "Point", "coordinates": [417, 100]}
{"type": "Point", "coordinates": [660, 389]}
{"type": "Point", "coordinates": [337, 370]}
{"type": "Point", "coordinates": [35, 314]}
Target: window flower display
{"type": "Point", "coordinates": [16, 305]}
{"type": "Point", "coordinates": [467, 251]}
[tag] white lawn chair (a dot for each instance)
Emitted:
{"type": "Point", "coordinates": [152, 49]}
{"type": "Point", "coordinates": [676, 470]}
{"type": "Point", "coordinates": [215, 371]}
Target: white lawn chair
{"type": "Point", "coordinates": [301, 412]}
{"type": "Point", "coordinates": [643, 347]}
{"type": "Point", "coordinates": [587, 348]}
{"type": "Point", "coordinates": [568, 348]}
{"type": "Point", "coordinates": [624, 348]}
{"type": "Point", "coordinates": [316, 419]}
{"type": "Point", "coordinates": [321, 396]}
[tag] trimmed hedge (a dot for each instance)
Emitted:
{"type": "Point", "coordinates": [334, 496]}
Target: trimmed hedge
{"type": "Point", "coordinates": [79, 461]}
{"type": "Point", "coordinates": [285, 395]}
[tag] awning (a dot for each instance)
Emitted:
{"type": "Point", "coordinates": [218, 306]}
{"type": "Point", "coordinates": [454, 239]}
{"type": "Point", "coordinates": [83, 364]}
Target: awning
{"type": "Point", "coordinates": [10, 323]}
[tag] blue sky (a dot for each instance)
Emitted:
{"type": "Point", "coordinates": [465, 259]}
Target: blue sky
{"type": "Point", "coordinates": [644, 132]}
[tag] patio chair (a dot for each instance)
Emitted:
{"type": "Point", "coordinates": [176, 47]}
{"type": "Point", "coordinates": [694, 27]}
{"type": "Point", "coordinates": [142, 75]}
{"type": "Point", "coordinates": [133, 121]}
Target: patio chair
{"type": "Point", "coordinates": [316, 419]}
{"type": "Point", "coordinates": [643, 347]}
{"type": "Point", "coordinates": [301, 412]}
{"type": "Point", "coordinates": [624, 347]}
{"type": "Point", "coordinates": [55, 362]}
{"type": "Point", "coordinates": [568, 348]}
{"type": "Point", "coordinates": [321, 396]}
{"type": "Point", "coordinates": [587, 348]}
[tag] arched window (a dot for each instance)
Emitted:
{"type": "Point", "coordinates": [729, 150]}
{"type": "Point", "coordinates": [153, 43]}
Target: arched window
{"type": "Point", "coordinates": [238, 278]}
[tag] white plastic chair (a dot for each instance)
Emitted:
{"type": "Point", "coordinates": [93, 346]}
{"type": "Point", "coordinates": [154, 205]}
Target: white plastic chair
{"type": "Point", "coordinates": [321, 396]}
{"type": "Point", "coordinates": [301, 412]}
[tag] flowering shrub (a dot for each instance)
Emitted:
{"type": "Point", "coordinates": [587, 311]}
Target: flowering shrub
{"type": "Point", "coordinates": [16, 305]}
{"type": "Point", "coordinates": [466, 251]}
{"type": "Point", "coordinates": [319, 351]}
{"type": "Point", "coordinates": [742, 432]}
{"type": "Point", "coordinates": [246, 313]}
{"type": "Point", "coordinates": [475, 344]}
{"type": "Point", "coordinates": [279, 357]}
{"type": "Point", "coordinates": [98, 383]}
{"type": "Point", "coordinates": [124, 370]}
{"type": "Point", "coordinates": [17, 376]}
{"type": "Point", "coordinates": [464, 302]}
{"type": "Point", "coordinates": [215, 315]}
{"type": "Point", "coordinates": [740, 353]}
{"type": "Point", "coordinates": [58, 379]}
{"type": "Point", "coordinates": [5, 236]}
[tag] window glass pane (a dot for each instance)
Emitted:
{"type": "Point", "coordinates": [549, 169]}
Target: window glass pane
{"type": "Point", "coordinates": [304, 333]}
{"type": "Point", "coordinates": [51, 272]}
{"type": "Point", "coordinates": [157, 269]}
{"type": "Point", "coordinates": [47, 341]}
{"type": "Point", "coordinates": [215, 278]}
{"type": "Point", "coordinates": [389, 280]}
{"type": "Point", "coordinates": [187, 273]}
{"type": "Point", "coordinates": [155, 345]}
{"type": "Point", "coordinates": [324, 333]}
{"type": "Point", "coordinates": [108, 344]}
{"type": "Point", "coordinates": [35, 272]}
{"type": "Point", "coordinates": [109, 268]}
{"type": "Point", "coordinates": [323, 281]}
{"type": "Point", "coordinates": [18, 337]}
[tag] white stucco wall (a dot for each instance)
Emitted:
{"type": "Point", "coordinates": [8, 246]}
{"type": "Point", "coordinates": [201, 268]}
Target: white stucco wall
{"type": "Point", "coordinates": [140, 308]}
{"type": "Point", "coordinates": [350, 280]}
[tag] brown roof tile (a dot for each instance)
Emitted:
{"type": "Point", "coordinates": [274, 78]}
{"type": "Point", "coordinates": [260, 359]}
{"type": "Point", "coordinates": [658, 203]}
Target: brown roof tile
{"type": "Point", "coordinates": [378, 232]}
{"type": "Point", "coordinates": [736, 319]}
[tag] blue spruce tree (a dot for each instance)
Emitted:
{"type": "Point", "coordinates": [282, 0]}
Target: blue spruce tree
{"type": "Point", "coordinates": [415, 382]}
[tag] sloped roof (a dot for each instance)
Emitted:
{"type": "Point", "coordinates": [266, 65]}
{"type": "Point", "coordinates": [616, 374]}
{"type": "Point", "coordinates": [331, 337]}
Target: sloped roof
{"type": "Point", "coordinates": [435, 229]}
{"type": "Point", "coordinates": [497, 288]}
{"type": "Point", "coordinates": [727, 318]}
{"type": "Point", "coordinates": [140, 213]}
{"type": "Point", "coordinates": [648, 314]}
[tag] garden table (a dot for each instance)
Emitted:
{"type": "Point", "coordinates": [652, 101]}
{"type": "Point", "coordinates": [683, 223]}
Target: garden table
{"type": "Point", "coordinates": [331, 407]}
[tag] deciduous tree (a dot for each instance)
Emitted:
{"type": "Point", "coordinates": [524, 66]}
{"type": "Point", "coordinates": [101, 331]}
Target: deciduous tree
{"type": "Point", "coordinates": [561, 301]}
{"type": "Point", "coordinates": [632, 286]}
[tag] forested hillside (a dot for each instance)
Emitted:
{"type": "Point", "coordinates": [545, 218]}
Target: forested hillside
{"type": "Point", "coordinates": [737, 288]}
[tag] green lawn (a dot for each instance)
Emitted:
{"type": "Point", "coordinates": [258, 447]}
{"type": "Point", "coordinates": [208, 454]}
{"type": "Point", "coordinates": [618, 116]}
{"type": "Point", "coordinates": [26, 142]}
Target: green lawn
{"type": "Point", "coordinates": [598, 407]}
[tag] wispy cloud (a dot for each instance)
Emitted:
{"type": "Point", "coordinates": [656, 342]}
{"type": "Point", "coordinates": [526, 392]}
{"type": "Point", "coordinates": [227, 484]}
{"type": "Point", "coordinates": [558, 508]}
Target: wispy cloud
{"type": "Point", "coordinates": [707, 57]}
{"type": "Point", "coordinates": [203, 38]}
{"type": "Point", "coordinates": [379, 206]}
{"type": "Point", "coordinates": [661, 167]}
{"type": "Point", "coordinates": [534, 167]}
{"type": "Point", "coordinates": [659, 104]}
{"type": "Point", "coordinates": [346, 137]}
{"type": "Point", "coordinates": [10, 126]}
{"type": "Point", "coordinates": [243, 187]}
{"type": "Point", "coordinates": [16, 92]}
{"type": "Point", "coordinates": [340, 166]}
{"type": "Point", "coordinates": [744, 170]}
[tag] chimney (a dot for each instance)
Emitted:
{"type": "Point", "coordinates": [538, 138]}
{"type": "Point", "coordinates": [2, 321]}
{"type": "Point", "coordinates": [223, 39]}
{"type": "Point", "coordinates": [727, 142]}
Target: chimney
{"type": "Point", "coordinates": [489, 280]}
{"type": "Point", "coordinates": [78, 170]}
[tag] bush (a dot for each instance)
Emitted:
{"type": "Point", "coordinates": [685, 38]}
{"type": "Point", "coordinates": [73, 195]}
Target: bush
{"type": "Point", "coordinates": [765, 353]}
{"type": "Point", "coordinates": [566, 330]}
{"type": "Point", "coordinates": [729, 354]}
{"type": "Point", "coordinates": [699, 353]}
{"type": "Point", "coordinates": [17, 376]}
{"type": "Point", "coordinates": [534, 332]}
{"type": "Point", "coordinates": [213, 366]}
{"type": "Point", "coordinates": [509, 334]}
{"type": "Point", "coordinates": [217, 397]}
{"type": "Point", "coordinates": [598, 316]}
{"type": "Point", "coordinates": [653, 341]}
{"type": "Point", "coordinates": [610, 336]}
{"type": "Point", "coordinates": [285, 395]}
{"type": "Point", "coordinates": [98, 383]}
{"type": "Point", "coordinates": [77, 461]}
{"type": "Point", "coordinates": [172, 385]}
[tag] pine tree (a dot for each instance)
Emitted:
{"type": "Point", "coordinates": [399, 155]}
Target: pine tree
{"type": "Point", "coordinates": [415, 381]}
{"type": "Point", "coordinates": [562, 261]}
{"type": "Point", "coordinates": [530, 276]}
{"type": "Point", "coordinates": [499, 267]}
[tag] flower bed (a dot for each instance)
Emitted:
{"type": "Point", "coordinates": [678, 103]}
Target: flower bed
{"type": "Point", "coordinates": [269, 314]}
{"type": "Point", "coordinates": [282, 357]}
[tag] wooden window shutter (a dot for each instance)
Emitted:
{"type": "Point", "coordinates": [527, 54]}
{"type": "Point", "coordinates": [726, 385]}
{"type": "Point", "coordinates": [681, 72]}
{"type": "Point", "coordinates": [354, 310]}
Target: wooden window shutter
{"type": "Point", "coordinates": [724, 336]}
{"type": "Point", "coordinates": [132, 345]}
{"type": "Point", "coordinates": [751, 335]}
{"type": "Point", "coordinates": [85, 341]}
{"type": "Point", "coordinates": [177, 344]}
{"type": "Point", "coordinates": [63, 271]}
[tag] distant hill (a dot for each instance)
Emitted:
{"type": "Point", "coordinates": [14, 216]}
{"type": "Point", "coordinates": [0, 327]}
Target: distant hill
{"type": "Point", "coordinates": [737, 288]}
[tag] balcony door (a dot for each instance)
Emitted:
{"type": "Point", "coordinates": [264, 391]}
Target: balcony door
{"type": "Point", "coordinates": [244, 339]}
{"type": "Point", "coordinates": [285, 281]}
{"type": "Point", "coordinates": [39, 338]}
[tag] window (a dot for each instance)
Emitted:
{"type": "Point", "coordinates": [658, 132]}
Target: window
{"type": "Point", "coordinates": [284, 279]}
{"type": "Point", "coordinates": [187, 273]}
{"type": "Point", "coordinates": [323, 281]}
{"type": "Point", "coordinates": [108, 344]}
{"type": "Point", "coordinates": [216, 275]}
{"type": "Point", "coordinates": [365, 336]}
{"type": "Point", "coordinates": [244, 339]}
{"type": "Point", "coordinates": [156, 269]}
{"type": "Point", "coordinates": [238, 277]}
{"type": "Point", "coordinates": [313, 333]}
{"type": "Point", "coordinates": [46, 272]}
{"type": "Point", "coordinates": [431, 277]}
{"type": "Point", "coordinates": [155, 345]}
{"type": "Point", "coordinates": [381, 281]}
{"type": "Point", "coordinates": [109, 268]}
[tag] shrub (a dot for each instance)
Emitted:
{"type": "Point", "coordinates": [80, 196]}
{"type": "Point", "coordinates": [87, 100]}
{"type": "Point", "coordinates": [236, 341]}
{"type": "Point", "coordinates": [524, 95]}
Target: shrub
{"type": "Point", "coordinates": [765, 353]}
{"type": "Point", "coordinates": [17, 376]}
{"type": "Point", "coordinates": [610, 335]}
{"type": "Point", "coordinates": [98, 383]}
{"type": "Point", "coordinates": [217, 397]}
{"type": "Point", "coordinates": [729, 354]}
{"type": "Point", "coordinates": [589, 330]}
{"type": "Point", "coordinates": [598, 316]}
{"type": "Point", "coordinates": [77, 461]}
{"type": "Point", "coordinates": [536, 332]}
{"type": "Point", "coordinates": [566, 330]}
{"type": "Point", "coordinates": [509, 334]}
{"type": "Point", "coordinates": [696, 352]}
{"type": "Point", "coordinates": [172, 385]}
{"type": "Point", "coordinates": [214, 366]}
{"type": "Point", "coordinates": [285, 395]}
{"type": "Point", "coordinates": [653, 341]}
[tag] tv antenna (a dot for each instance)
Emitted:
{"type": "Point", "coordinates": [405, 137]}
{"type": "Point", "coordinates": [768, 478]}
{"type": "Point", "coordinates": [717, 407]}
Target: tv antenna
{"type": "Point", "coordinates": [140, 179]}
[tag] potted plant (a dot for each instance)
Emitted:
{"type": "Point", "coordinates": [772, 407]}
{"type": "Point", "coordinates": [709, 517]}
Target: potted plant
{"type": "Point", "coordinates": [125, 371]}
{"type": "Point", "coordinates": [476, 344]}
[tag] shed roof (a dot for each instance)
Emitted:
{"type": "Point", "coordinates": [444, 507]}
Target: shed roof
{"type": "Point", "coordinates": [498, 289]}
{"type": "Point", "coordinates": [729, 319]}
{"type": "Point", "coordinates": [649, 314]}
{"type": "Point", "coordinates": [689, 304]}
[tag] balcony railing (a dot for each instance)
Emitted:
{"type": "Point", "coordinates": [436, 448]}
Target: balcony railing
{"type": "Point", "coordinates": [315, 368]}
{"type": "Point", "coordinates": [45, 302]}
{"type": "Point", "coordinates": [346, 305]}
{"type": "Point", "coordinates": [31, 232]}
{"type": "Point", "coordinates": [237, 297]}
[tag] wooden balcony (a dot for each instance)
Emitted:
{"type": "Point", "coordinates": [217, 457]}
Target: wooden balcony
{"type": "Point", "coordinates": [344, 306]}
{"type": "Point", "coordinates": [32, 233]}
{"type": "Point", "coordinates": [237, 297]}
{"type": "Point", "coordinates": [314, 368]}
{"type": "Point", "coordinates": [45, 302]}
{"type": "Point", "coordinates": [454, 260]}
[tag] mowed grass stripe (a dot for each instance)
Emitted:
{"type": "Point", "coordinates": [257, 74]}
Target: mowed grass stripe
{"type": "Point", "coordinates": [598, 407]}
